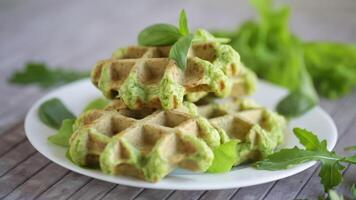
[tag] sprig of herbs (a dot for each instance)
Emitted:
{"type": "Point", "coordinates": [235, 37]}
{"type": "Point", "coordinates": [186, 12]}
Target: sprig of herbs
{"type": "Point", "coordinates": [167, 34]}
{"type": "Point", "coordinates": [44, 76]}
{"type": "Point", "coordinates": [314, 150]}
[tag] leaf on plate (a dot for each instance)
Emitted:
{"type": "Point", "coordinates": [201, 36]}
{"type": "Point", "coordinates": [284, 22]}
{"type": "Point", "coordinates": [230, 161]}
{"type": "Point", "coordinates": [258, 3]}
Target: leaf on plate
{"type": "Point", "coordinates": [225, 156]}
{"type": "Point", "coordinates": [62, 136]}
{"type": "Point", "coordinates": [44, 76]}
{"type": "Point", "coordinates": [52, 112]}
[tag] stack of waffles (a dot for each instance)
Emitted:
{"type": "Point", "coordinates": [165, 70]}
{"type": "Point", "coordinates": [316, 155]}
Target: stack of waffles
{"type": "Point", "coordinates": [161, 117]}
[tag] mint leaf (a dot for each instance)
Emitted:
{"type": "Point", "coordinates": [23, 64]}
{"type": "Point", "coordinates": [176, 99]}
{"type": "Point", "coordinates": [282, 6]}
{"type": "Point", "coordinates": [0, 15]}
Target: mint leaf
{"type": "Point", "coordinates": [180, 49]}
{"type": "Point", "coordinates": [183, 23]}
{"type": "Point", "coordinates": [330, 173]}
{"type": "Point", "coordinates": [98, 103]}
{"type": "Point", "coordinates": [159, 35]}
{"type": "Point", "coordinates": [62, 136]}
{"type": "Point", "coordinates": [40, 74]}
{"type": "Point", "coordinates": [52, 112]}
{"type": "Point", "coordinates": [225, 156]}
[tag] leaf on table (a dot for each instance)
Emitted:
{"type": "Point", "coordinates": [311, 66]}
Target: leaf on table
{"type": "Point", "coordinates": [330, 173]}
{"type": "Point", "coordinates": [52, 112]}
{"type": "Point", "coordinates": [44, 76]}
{"type": "Point", "coordinates": [62, 136]}
{"type": "Point", "coordinates": [225, 156]}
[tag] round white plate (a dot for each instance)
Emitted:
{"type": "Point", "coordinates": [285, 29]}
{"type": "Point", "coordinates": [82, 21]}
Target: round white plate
{"type": "Point", "coordinates": [76, 95]}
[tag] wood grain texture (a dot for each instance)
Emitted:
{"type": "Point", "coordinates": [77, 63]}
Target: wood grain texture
{"type": "Point", "coordinates": [75, 34]}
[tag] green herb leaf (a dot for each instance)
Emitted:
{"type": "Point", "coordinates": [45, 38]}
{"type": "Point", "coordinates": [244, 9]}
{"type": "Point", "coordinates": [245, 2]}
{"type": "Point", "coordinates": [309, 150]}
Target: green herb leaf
{"type": "Point", "coordinates": [98, 103]}
{"type": "Point", "coordinates": [353, 192]}
{"type": "Point", "coordinates": [180, 49]}
{"type": "Point", "coordinates": [225, 156]}
{"type": "Point", "coordinates": [52, 112]}
{"type": "Point", "coordinates": [62, 136]}
{"type": "Point", "coordinates": [301, 99]}
{"type": "Point", "coordinates": [331, 167]}
{"type": "Point", "coordinates": [159, 35]}
{"type": "Point", "coordinates": [44, 76]}
{"type": "Point", "coordinates": [183, 23]}
{"type": "Point", "coordinates": [286, 158]}
{"type": "Point", "coordinates": [309, 140]}
{"type": "Point", "coordinates": [330, 173]}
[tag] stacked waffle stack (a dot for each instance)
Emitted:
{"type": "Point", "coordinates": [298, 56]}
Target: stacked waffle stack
{"type": "Point", "coordinates": [162, 117]}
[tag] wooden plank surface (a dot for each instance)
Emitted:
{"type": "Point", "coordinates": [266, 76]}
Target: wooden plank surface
{"type": "Point", "coordinates": [78, 33]}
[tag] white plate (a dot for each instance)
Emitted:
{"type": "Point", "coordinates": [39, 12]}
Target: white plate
{"type": "Point", "coordinates": [77, 95]}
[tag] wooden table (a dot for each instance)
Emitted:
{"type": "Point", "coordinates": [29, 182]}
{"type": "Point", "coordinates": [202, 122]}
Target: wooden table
{"type": "Point", "coordinates": [77, 33]}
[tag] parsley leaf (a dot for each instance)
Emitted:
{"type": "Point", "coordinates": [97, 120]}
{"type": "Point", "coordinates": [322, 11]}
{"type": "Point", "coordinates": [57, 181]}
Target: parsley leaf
{"type": "Point", "coordinates": [52, 112]}
{"type": "Point", "coordinates": [183, 23]}
{"type": "Point", "coordinates": [61, 138]}
{"type": "Point", "coordinates": [44, 76]}
{"type": "Point", "coordinates": [159, 35]}
{"type": "Point", "coordinates": [225, 156]}
{"type": "Point", "coordinates": [179, 51]}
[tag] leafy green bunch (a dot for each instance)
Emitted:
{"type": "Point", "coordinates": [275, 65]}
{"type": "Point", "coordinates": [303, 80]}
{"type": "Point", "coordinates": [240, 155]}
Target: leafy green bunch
{"type": "Point", "coordinates": [268, 47]}
{"type": "Point", "coordinates": [179, 37]}
{"type": "Point", "coordinates": [314, 150]}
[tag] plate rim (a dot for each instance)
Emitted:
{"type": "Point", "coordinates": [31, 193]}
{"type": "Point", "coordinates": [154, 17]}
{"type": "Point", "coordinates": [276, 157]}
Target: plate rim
{"type": "Point", "coordinates": [128, 181]}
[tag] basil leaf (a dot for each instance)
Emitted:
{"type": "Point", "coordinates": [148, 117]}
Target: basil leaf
{"type": "Point", "coordinates": [52, 112]}
{"type": "Point", "coordinates": [180, 49]}
{"type": "Point", "coordinates": [183, 23]}
{"type": "Point", "coordinates": [351, 159]}
{"type": "Point", "coordinates": [44, 76]}
{"type": "Point", "coordinates": [159, 35]}
{"type": "Point", "coordinates": [61, 138]}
